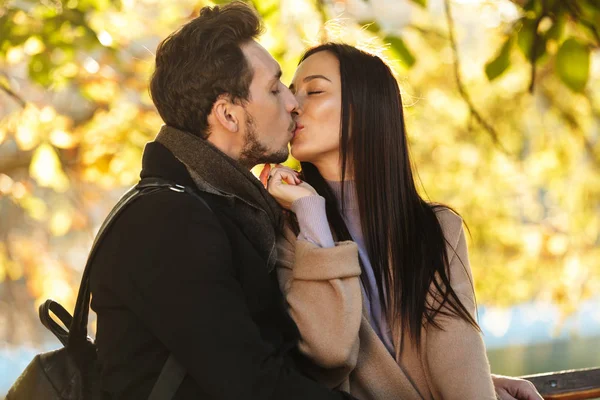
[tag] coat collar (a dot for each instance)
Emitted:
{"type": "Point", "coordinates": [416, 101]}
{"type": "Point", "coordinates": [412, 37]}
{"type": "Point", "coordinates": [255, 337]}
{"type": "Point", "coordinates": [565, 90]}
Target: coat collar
{"type": "Point", "coordinates": [188, 160]}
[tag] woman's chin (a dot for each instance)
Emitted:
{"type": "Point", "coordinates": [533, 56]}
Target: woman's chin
{"type": "Point", "coordinates": [297, 153]}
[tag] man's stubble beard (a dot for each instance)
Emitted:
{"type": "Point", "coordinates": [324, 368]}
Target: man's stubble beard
{"type": "Point", "coordinates": [254, 152]}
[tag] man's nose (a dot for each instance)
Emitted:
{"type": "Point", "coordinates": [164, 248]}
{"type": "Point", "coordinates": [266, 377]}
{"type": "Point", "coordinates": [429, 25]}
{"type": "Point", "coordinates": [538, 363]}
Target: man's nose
{"type": "Point", "coordinates": [291, 104]}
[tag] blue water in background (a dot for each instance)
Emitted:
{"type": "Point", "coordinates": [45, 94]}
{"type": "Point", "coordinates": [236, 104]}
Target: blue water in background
{"type": "Point", "coordinates": [522, 340]}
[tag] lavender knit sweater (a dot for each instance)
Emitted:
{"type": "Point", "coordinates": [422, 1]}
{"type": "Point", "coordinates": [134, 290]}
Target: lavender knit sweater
{"type": "Point", "coordinates": [314, 228]}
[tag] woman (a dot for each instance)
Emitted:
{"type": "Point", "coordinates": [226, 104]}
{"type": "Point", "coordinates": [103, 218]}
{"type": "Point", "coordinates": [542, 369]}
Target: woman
{"type": "Point", "coordinates": [417, 336]}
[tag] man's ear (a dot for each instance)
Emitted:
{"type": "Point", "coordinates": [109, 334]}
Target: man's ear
{"type": "Point", "coordinates": [227, 113]}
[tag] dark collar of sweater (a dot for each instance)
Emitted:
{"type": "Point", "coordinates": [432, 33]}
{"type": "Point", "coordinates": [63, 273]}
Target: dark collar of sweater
{"type": "Point", "coordinates": [255, 211]}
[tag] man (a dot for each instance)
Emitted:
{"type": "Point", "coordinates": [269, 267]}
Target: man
{"type": "Point", "coordinates": [175, 277]}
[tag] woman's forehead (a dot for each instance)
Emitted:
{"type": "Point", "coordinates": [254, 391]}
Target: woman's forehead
{"type": "Point", "coordinates": [321, 63]}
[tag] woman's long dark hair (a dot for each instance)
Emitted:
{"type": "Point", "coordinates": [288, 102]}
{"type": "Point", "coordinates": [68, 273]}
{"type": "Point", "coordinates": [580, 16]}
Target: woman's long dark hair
{"type": "Point", "coordinates": [402, 235]}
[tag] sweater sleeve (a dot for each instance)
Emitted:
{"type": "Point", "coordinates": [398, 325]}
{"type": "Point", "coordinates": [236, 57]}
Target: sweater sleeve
{"type": "Point", "coordinates": [185, 290]}
{"type": "Point", "coordinates": [312, 220]}
{"type": "Point", "coordinates": [456, 363]}
{"type": "Point", "coordinates": [322, 289]}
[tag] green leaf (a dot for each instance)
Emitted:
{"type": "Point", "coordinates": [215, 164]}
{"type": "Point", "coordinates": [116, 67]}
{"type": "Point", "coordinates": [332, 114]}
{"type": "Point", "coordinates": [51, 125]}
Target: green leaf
{"type": "Point", "coordinates": [422, 3]}
{"type": "Point", "coordinates": [556, 30]}
{"type": "Point", "coordinates": [40, 67]}
{"type": "Point", "coordinates": [573, 64]}
{"type": "Point", "coordinates": [526, 37]}
{"type": "Point", "coordinates": [496, 67]}
{"type": "Point", "coordinates": [401, 50]}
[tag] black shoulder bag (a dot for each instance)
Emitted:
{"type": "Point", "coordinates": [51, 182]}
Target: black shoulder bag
{"type": "Point", "coordinates": [72, 372]}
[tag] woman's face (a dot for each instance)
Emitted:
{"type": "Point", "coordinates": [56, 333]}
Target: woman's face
{"type": "Point", "coordinates": [317, 87]}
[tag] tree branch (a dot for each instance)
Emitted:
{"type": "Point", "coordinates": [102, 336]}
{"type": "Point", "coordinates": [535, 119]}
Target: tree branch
{"type": "Point", "coordinates": [576, 13]}
{"type": "Point", "coordinates": [534, 46]}
{"type": "Point", "coordinates": [461, 88]}
{"type": "Point", "coordinates": [573, 122]}
{"type": "Point", "coordinates": [10, 163]}
{"type": "Point", "coordinates": [12, 94]}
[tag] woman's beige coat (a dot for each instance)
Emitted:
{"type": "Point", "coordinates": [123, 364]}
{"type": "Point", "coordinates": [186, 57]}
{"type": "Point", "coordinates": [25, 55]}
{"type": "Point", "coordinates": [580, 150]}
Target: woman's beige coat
{"type": "Point", "coordinates": [322, 288]}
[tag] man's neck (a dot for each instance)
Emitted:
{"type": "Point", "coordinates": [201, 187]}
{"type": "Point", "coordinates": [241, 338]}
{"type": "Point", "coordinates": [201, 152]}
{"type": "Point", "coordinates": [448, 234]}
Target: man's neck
{"type": "Point", "coordinates": [226, 146]}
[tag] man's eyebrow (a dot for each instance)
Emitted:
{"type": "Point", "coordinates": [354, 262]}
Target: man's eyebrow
{"type": "Point", "coordinates": [277, 76]}
{"type": "Point", "coordinates": [310, 78]}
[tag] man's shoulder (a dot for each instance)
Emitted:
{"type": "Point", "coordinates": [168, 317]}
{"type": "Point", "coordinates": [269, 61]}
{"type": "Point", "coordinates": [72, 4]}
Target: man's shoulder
{"type": "Point", "coordinates": [164, 214]}
{"type": "Point", "coordinates": [162, 228]}
{"type": "Point", "coordinates": [169, 204]}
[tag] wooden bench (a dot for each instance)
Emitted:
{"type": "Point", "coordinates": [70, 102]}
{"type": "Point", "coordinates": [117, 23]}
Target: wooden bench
{"type": "Point", "coordinates": [578, 384]}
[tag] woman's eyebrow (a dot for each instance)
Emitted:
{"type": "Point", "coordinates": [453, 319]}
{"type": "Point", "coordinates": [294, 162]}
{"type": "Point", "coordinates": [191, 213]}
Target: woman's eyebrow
{"type": "Point", "coordinates": [310, 78]}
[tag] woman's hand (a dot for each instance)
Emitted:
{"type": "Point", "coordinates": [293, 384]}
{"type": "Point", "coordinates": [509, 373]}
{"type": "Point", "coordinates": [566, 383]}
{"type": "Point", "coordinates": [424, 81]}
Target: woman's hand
{"type": "Point", "coordinates": [284, 185]}
{"type": "Point", "coordinates": [509, 388]}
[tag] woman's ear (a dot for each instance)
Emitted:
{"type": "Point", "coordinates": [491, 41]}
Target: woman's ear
{"type": "Point", "coordinates": [226, 113]}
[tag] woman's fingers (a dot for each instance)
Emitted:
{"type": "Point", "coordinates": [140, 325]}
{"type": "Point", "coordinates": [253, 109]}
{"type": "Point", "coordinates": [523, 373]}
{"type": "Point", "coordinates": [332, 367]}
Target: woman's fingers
{"type": "Point", "coordinates": [285, 174]}
{"type": "Point", "coordinates": [279, 175]}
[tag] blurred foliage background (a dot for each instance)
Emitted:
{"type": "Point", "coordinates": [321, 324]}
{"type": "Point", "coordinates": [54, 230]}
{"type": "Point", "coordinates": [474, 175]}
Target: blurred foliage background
{"type": "Point", "coordinates": [502, 105]}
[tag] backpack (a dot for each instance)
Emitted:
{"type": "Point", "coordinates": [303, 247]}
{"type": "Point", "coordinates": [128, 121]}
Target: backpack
{"type": "Point", "coordinates": [72, 372]}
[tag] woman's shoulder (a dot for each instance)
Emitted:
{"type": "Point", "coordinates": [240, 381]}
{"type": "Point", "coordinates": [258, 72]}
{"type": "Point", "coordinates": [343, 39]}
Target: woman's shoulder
{"type": "Point", "coordinates": [450, 222]}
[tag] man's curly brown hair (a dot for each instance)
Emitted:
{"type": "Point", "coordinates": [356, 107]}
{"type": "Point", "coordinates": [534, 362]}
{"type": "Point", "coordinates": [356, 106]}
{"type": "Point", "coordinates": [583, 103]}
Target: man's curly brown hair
{"type": "Point", "coordinates": [202, 61]}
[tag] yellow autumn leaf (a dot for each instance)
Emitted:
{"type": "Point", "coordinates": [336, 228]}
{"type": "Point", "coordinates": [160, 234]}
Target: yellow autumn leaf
{"type": "Point", "coordinates": [60, 222]}
{"type": "Point", "coordinates": [33, 46]}
{"type": "Point", "coordinates": [47, 114]}
{"type": "Point", "coordinates": [27, 137]}
{"type": "Point", "coordinates": [62, 139]}
{"type": "Point", "coordinates": [35, 207]}
{"type": "Point", "coordinates": [14, 55]}
{"type": "Point", "coordinates": [102, 90]}
{"type": "Point", "coordinates": [14, 270]}
{"type": "Point", "coordinates": [27, 132]}
{"type": "Point", "coordinates": [6, 184]}
{"type": "Point", "coordinates": [46, 169]}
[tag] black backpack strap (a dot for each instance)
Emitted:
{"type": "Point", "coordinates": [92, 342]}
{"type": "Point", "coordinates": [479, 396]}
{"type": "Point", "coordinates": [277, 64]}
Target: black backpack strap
{"type": "Point", "coordinates": [76, 338]}
{"type": "Point", "coordinates": [168, 381]}
{"type": "Point", "coordinates": [63, 315]}
{"type": "Point", "coordinates": [162, 183]}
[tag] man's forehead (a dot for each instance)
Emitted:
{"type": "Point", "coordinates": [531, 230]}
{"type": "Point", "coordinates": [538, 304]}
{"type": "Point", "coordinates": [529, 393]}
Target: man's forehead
{"type": "Point", "coordinates": [259, 58]}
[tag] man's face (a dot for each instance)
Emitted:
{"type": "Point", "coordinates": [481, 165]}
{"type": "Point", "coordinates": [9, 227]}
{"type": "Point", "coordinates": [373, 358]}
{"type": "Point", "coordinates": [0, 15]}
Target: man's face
{"type": "Point", "coordinates": [269, 125]}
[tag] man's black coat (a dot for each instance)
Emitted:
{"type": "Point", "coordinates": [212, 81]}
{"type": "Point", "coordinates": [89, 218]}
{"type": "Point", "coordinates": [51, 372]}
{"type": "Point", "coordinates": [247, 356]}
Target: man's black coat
{"type": "Point", "coordinates": [174, 277]}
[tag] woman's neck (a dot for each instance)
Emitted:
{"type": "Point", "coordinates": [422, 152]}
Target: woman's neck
{"type": "Point", "coordinates": [329, 168]}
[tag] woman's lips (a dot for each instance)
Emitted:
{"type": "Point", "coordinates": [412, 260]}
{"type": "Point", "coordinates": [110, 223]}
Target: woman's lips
{"type": "Point", "coordinates": [299, 127]}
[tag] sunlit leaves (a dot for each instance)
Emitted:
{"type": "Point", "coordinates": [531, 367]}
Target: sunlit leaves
{"type": "Point", "coordinates": [501, 61]}
{"type": "Point", "coordinates": [35, 207]}
{"type": "Point", "coordinates": [8, 268]}
{"type": "Point", "coordinates": [46, 168]}
{"type": "Point", "coordinates": [422, 3]}
{"type": "Point", "coordinates": [528, 37]}
{"type": "Point", "coordinates": [534, 225]}
{"type": "Point", "coordinates": [573, 64]}
{"type": "Point", "coordinates": [60, 222]}
{"type": "Point", "coordinates": [400, 49]}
